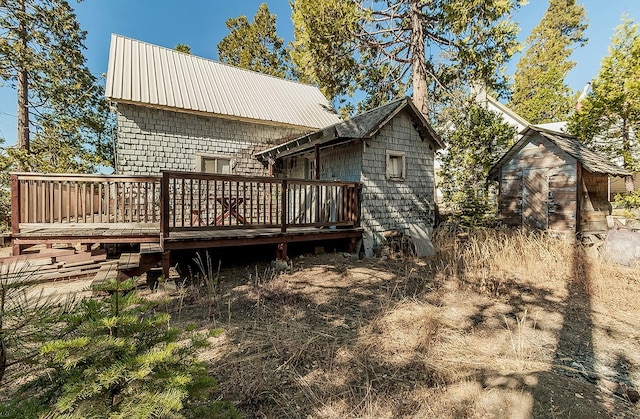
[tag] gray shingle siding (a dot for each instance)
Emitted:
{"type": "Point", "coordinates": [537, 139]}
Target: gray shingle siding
{"type": "Point", "coordinates": [386, 204]}
{"type": "Point", "coordinates": [151, 140]}
{"type": "Point", "coordinates": [394, 205]}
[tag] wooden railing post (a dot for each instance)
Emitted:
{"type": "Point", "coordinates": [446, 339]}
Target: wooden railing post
{"type": "Point", "coordinates": [15, 210]}
{"type": "Point", "coordinates": [357, 192]}
{"type": "Point", "coordinates": [164, 202]}
{"type": "Point", "coordinates": [285, 204]}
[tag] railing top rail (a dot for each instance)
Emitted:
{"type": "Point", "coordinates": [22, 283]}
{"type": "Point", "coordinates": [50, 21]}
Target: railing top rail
{"type": "Point", "coordinates": [262, 179]}
{"type": "Point", "coordinates": [212, 176]}
{"type": "Point", "coordinates": [82, 177]}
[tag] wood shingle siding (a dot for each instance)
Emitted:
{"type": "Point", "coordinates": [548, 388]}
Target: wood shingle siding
{"type": "Point", "coordinates": [550, 181]}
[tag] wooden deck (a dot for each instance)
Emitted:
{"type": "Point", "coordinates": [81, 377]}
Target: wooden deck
{"type": "Point", "coordinates": [180, 210]}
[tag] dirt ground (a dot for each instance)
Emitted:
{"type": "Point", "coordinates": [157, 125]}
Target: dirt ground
{"type": "Point", "coordinates": [335, 337]}
{"type": "Point", "coordinates": [491, 327]}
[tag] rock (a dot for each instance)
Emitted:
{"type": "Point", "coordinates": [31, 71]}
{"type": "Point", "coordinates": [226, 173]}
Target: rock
{"type": "Point", "coordinates": [279, 265]}
{"type": "Point", "coordinates": [622, 246]}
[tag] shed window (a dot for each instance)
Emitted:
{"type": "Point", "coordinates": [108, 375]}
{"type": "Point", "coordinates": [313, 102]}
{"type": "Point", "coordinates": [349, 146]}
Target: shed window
{"type": "Point", "coordinates": [396, 167]}
{"type": "Point", "coordinates": [214, 164]}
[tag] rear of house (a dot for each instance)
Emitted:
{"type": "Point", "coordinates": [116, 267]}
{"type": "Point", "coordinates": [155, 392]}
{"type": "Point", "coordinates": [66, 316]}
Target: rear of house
{"type": "Point", "coordinates": [390, 151]}
{"type": "Point", "coordinates": [181, 112]}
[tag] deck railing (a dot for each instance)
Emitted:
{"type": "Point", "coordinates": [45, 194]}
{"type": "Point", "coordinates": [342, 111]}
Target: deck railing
{"type": "Point", "coordinates": [199, 201]}
{"type": "Point", "coordinates": [181, 201]}
{"type": "Point", "coordinates": [76, 198]}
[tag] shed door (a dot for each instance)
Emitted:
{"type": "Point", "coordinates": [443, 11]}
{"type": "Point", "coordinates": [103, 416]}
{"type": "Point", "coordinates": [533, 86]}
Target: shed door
{"type": "Point", "coordinates": [535, 190]}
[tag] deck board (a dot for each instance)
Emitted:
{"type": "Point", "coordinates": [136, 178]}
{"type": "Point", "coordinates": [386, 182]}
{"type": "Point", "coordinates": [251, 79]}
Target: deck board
{"type": "Point", "coordinates": [244, 237]}
{"type": "Point", "coordinates": [184, 239]}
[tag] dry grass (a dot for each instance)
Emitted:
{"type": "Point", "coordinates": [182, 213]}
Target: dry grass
{"type": "Point", "coordinates": [497, 324]}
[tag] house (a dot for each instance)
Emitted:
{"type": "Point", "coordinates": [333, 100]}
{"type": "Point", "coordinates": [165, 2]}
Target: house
{"type": "Point", "coordinates": [390, 151]}
{"type": "Point", "coordinates": [177, 111]}
{"type": "Point", "coordinates": [198, 143]}
{"type": "Point", "coordinates": [549, 180]}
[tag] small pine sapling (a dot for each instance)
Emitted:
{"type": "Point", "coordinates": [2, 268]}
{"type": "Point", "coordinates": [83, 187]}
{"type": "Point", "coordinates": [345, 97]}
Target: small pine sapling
{"type": "Point", "coordinates": [124, 360]}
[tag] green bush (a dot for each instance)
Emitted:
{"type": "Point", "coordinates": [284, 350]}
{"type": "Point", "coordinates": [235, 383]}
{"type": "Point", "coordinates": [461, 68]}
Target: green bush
{"type": "Point", "coordinates": [124, 360]}
{"type": "Point", "coordinates": [628, 201]}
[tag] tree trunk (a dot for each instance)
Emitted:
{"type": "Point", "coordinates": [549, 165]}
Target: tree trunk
{"type": "Point", "coordinates": [3, 358]}
{"type": "Point", "coordinates": [418, 64]}
{"type": "Point", "coordinates": [23, 87]}
{"type": "Point", "coordinates": [626, 155]}
{"type": "Point", "coordinates": [628, 185]}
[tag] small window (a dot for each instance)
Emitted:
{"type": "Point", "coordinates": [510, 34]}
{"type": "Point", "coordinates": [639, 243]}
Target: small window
{"type": "Point", "coordinates": [214, 164]}
{"type": "Point", "coordinates": [396, 168]}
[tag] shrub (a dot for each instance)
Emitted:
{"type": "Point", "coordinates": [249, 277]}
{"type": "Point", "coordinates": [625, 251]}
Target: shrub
{"type": "Point", "coordinates": [124, 360]}
{"type": "Point", "coordinates": [628, 201]}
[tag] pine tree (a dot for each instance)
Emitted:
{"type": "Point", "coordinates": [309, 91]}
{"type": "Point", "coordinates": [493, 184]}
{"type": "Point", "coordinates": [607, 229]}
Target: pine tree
{"type": "Point", "coordinates": [324, 29]}
{"type": "Point", "coordinates": [62, 113]}
{"type": "Point", "coordinates": [183, 48]}
{"type": "Point", "coordinates": [125, 361]}
{"type": "Point", "coordinates": [254, 45]}
{"type": "Point", "coordinates": [540, 93]}
{"type": "Point", "coordinates": [609, 117]}
{"type": "Point", "coordinates": [479, 137]}
{"type": "Point", "coordinates": [407, 44]}
{"type": "Point", "coordinates": [28, 318]}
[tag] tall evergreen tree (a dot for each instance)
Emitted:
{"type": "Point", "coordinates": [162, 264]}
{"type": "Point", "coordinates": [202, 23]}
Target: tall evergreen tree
{"type": "Point", "coordinates": [408, 44]}
{"type": "Point", "coordinates": [254, 45]}
{"type": "Point", "coordinates": [314, 43]}
{"type": "Point", "coordinates": [478, 138]}
{"type": "Point", "coordinates": [609, 117]}
{"type": "Point", "coordinates": [61, 110]}
{"type": "Point", "coordinates": [540, 93]}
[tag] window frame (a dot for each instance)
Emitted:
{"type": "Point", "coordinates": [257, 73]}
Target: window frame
{"type": "Point", "coordinates": [391, 154]}
{"type": "Point", "coordinates": [201, 158]}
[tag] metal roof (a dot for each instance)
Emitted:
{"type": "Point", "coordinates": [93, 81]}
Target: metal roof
{"type": "Point", "coordinates": [364, 125]}
{"type": "Point", "coordinates": [590, 160]}
{"type": "Point", "coordinates": [149, 75]}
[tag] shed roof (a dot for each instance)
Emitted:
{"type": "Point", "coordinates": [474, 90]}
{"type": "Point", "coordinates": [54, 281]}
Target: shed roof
{"type": "Point", "coordinates": [590, 160]}
{"type": "Point", "coordinates": [149, 75]}
{"type": "Point", "coordinates": [364, 125]}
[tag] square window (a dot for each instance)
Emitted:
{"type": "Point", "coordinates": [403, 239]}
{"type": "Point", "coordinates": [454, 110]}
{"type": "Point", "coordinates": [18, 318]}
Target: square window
{"type": "Point", "coordinates": [396, 167]}
{"type": "Point", "coordinates": [211, 164]}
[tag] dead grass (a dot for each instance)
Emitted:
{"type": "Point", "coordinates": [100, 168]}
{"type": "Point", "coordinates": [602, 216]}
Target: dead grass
{"type": "Point", "coordinates": [497, 324]}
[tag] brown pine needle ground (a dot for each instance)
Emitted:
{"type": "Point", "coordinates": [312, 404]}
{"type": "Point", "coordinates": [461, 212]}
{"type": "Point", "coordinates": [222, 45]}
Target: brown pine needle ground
{"type": "Point", "coordinates": [497, 324]}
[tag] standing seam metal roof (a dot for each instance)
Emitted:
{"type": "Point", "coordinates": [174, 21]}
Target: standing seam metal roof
{"type": "Point", "coordinates": [160, 77]}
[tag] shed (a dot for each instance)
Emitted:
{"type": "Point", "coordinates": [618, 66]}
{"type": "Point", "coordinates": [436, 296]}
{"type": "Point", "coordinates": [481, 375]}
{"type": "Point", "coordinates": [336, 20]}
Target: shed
{"type": "Point", "coordinates": [549, 180]}
{"type": "Point", "coordinates": [390, 151]}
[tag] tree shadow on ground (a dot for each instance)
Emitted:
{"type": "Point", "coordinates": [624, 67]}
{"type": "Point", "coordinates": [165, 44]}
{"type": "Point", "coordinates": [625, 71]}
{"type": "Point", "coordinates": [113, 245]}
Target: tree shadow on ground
{"type": "Point", "coordinates": [327, 340]}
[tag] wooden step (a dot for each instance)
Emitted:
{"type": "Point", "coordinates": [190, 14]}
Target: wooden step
{"type": "Point", "coordinates": [128, 261]}
{"type": "Point", "coordinates": [106, 271]}
{"type": "Point", "coordinates": [150, 248]}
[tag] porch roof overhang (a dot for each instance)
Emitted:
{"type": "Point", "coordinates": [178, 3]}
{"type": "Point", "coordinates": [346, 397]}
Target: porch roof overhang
{"type": "Point", "coordinates": [360, 127]}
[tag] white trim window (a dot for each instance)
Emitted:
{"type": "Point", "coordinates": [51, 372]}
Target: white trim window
{"type": "Point", "coordinates": [214, 163]}
{"type": "Point", "coordinates": [396, 165]}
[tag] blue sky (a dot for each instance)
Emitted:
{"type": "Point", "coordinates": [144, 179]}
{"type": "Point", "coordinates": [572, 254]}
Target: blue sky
{"type": "Point", "coordinates": [200, 24]}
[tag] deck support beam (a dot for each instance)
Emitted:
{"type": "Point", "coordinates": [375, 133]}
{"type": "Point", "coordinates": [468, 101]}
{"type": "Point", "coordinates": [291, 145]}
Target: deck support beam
{"type": "Point", "coordinates": [166, 264]}
{"type": "Point", "coordinates": [281, 252]}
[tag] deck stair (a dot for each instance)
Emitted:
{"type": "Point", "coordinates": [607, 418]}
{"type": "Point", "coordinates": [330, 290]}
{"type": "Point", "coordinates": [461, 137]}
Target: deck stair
{"type": "Point", "coordinates": [135, 264]}
{"type": "Point", "coordinates": [107, 271]}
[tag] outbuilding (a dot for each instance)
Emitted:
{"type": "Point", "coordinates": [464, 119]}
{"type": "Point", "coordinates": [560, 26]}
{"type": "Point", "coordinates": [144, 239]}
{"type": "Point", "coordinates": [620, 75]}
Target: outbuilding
{"type": "Point", "coordinates": [549, 180]}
